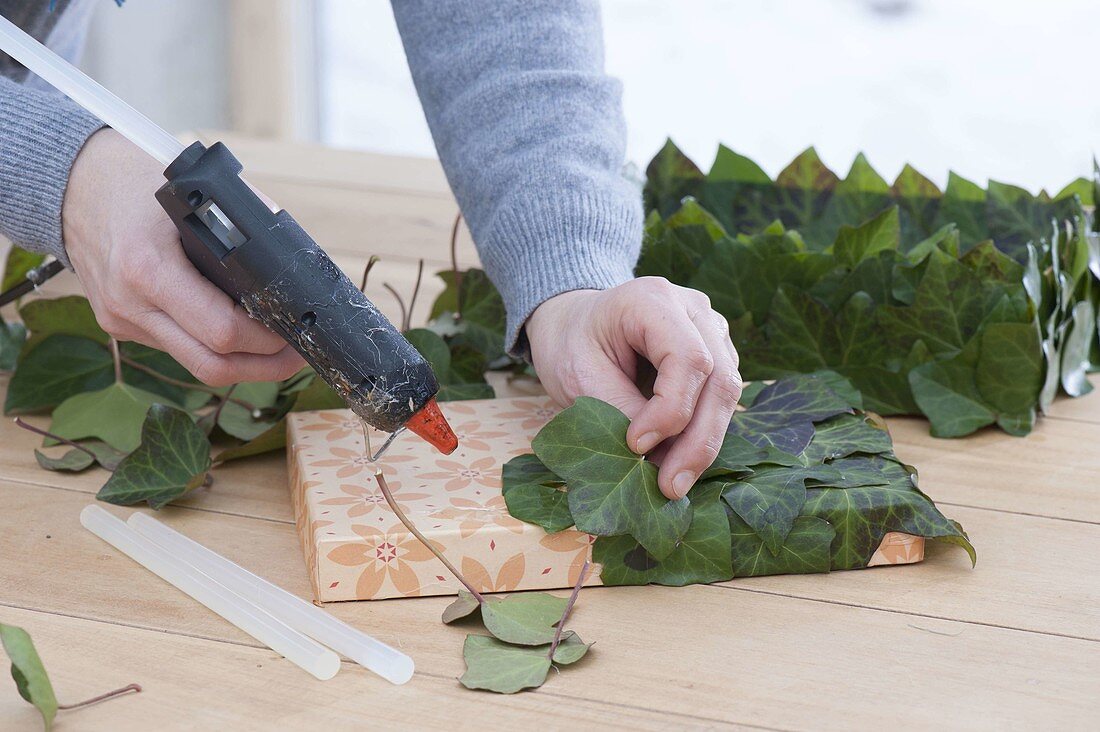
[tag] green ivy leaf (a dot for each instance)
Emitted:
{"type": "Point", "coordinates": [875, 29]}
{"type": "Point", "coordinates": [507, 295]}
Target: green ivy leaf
{"type": "Point", "coordinates": [316, 395]}
{"type": "Point", "coordinates": [493, 665]}
{"type": "Point", "coordinates": [805, 550]}
{"type": "Point", "coordinates": [535, 494]}
{"type": "Point", "coordinates": [738, 456]}
{"type": "Point", "coordinates": [846, 435]}
{"type": "Point", "coordinates": [862, 516]}
{"type": "Point", "coordinates": [454, 385]}
{"type": "Point", "coordinates": [783, 414]}
{"type": "Point", "coordinates": [114, 415]}
{"type": "Point", "coordinates": [611, 489]}
{"type": "Point", "coordinates": [30, 676]}
{"type": "Point", "coordinates": [73, 461]}
{"type": "Point", "coordinates": [71, 315]}
{"type": "Point", "coordinates": [528, 618]}
{"type": "Point", "coordinates": [463, 606]}
{"type": "Point", "coordinates": [12, 337]}
{"type": "Point", "coordinates": [702, 556]}
{"type": "Point", "coordinates": [238, 421]}
{"type": "Point", "coordinates": [172, 459]}
{"type": "Point", "coordinates": [18, 264]}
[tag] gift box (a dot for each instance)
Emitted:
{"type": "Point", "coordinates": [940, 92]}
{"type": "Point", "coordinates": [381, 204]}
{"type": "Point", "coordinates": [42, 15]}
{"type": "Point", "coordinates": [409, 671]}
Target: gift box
{"type": "Point", "coordinates": [357, 549]}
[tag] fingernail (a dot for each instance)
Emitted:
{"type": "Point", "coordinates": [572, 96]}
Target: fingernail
{"type": "Point", "coordinates": [647, 442]}
{"type": "Point", "coordinates": [682, 483]}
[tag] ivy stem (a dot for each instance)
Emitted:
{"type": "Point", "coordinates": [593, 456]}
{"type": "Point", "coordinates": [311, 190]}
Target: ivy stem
{"type": "Point", "coordinates": [416, 291]}
{"type": "Point", "coordinates": [185, 384]}
{"type": "Point", "coordinates": [102, 697]}
{"type": "Point", "coordinates": [213, 416]}
{"type": "Point", "coordinates": [39, 431]}
{"type": "Point", "coordinates": [366, 272]}
{"type": "Point", "coordinates": [385, 488]}
{"type": "Point", "coordinates": [454, 264]}
{"type": "Point", "coordinates": [117, 358]}
{"type": "Point", "coordinates": [568, 609]}
{"type": "Point", "coordinates": [400, 304]}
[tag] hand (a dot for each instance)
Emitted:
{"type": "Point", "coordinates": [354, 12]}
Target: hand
{"type": "Point", "coordinates": [127, 255]}
{"type": "Point", "coordinates": [590, 343]}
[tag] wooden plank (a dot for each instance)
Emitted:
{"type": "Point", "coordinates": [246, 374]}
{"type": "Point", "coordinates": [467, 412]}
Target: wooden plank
{"type": "Point", "coordinates": [1052, 472]}
{"type": "Point", "coordinates": [327, 165]}
{"type": "Point", "coordinates": [738, 656]}
{"type": "Point", "coordinates": [1027, 577]}
{"type": "Point", "coordinates": [1081, 409]}
{"type": "Point", "coordinates": [195, 683]}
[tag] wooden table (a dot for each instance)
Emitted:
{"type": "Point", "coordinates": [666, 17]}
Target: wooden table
{"type": "Point", "coordinates": [1014, 643]}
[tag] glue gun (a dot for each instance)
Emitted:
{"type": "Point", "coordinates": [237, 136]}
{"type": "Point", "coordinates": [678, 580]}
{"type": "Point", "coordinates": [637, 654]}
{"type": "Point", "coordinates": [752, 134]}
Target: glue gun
{"type": "Point", "coordinates": [267, 263]}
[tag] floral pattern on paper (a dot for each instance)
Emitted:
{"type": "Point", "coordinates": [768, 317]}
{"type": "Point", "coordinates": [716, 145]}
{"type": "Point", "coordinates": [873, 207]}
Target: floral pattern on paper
{"type": "Point", "coordinates": [472, 516]}
{"type": "Point", "coordinates": [335, 425]}
{"type": "Point", "coordinates": [455, 475]}
{"type": "Point", "coordinates": [384, 554]}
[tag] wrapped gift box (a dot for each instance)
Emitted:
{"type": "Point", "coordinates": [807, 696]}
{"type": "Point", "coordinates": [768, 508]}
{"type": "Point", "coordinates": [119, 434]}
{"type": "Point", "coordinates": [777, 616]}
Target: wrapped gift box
{"type": "Point", "coordinates": [357, 549]}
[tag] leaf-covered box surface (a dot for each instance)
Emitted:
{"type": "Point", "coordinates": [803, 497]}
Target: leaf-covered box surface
{"type": "Point", "coordinates": [806, 481]}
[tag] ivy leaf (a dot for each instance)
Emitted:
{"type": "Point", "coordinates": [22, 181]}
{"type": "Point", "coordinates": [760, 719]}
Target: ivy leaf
{"type": "Point", "coordinates": [612, 490]}
{"type": "Point", "coordinates": [783, 414]}
{"type": "Point", "coordinates": [702, 556]}
{"type": "Point", "coordinates": [493, 665]}
{"type": "Point", "coordinates": [1075, 351]}
{"type": "Point", "coordinates": [535, 495]}
{"type": "Point", "coordinates": [114, 415]}
{"type": "Point", "coordinates": [527, 619]}
{"type": "Point", "coordinates": [862, 516]}
{"type": "Point", "coordinates": [238, 421]}
{"type": "Point", "coordinates": [463, 606]}
{"type": "Point", "coordinates": [71, 315]}
{"type": "Point", "coordinates": [316, 395]}
{"type": "Point", "coordinates": [73, 461]}
{"type": "Point", "coordinates": [769, 501]}
{"type": "Point", "coordinates": [18, 264]}
{"type": "Point", "coordinates": [453, 385]}
{"type": "Point", "coordinates": [738, 456]}
{"type": "Point", "coordinates": [670, 177]}
{"type": "Point", "coordinates": [60, 367]}
{"type": "Point", "coordinates": [30, 676]}
{"type": "Point", "coordinates": [846, 435]}
{"type": "Point", "coordinates": [805, 550]}
{"type": "Point", "coordinates": [172, 459]}
{"type": "Point", "coordinates": [12, 337]}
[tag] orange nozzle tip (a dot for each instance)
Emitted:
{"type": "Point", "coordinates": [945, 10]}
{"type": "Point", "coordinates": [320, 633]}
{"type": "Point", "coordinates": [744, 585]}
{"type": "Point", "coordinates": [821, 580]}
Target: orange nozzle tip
{"type": "Point", "coordinates": [430, 424]}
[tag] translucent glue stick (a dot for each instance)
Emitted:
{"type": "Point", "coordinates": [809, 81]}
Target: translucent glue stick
{"type": "Point", "coordinates": [387, 662]}
{"type": "Point", "coordinates": [276, 635]}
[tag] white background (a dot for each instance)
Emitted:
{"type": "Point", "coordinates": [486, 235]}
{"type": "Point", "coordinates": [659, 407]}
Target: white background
{"type": "Point", "coordinates": [1003, 89]}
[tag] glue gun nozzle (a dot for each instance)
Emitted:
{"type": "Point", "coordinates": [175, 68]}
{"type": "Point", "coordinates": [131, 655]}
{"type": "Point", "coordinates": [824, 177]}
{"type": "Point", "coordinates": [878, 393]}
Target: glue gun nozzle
{"type": "Point", "coordinates": [430, 424]}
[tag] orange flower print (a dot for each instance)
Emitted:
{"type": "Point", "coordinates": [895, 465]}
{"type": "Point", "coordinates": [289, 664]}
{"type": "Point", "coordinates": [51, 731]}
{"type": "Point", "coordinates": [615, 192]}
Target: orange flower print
{"type": "Point", "coordinates": [471, 436]}
{"type": "Point", "coordinates": [336, 425]}
{"type": "Point", "coordinates": [473, 516]}
{"type": "Point", "coordinates": [348, 462]}
{"type": "Point", "coordinates": [532, 414]}
{"type": "Point", "coordinates": [363, 498]}
{"type": "Point", "coordinates": [574, 542]}
{"type": "Point", "coordinates": [382, 553]}
{"type": "Point", "coordinates": [481, 472]}
{"type": "Point", "coordinates": [507, 579]}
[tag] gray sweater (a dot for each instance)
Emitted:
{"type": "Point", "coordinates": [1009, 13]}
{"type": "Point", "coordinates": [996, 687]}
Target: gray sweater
{"type": "Point", "coordinates": [528, 127]}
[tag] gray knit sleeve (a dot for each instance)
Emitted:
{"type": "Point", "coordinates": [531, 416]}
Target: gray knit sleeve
{"type": "Point", "coordinates": [41, 134]}
{"type": "Point", "coordinates": [531, 134]}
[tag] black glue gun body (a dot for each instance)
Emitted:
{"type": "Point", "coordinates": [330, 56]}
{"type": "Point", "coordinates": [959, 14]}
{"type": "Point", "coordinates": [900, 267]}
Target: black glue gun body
{"type": "Point", "coordinates": [266, 262]}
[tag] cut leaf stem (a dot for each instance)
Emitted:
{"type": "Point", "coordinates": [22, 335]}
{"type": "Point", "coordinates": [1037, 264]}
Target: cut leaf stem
{"type": "Point", "coordinates": [39, 431]}
{"type": "Point", "coordinates": [117, 358]}
{"type": "Point", "coordinates": [185, 384]}
{"type": "Point", "coordinates": [136, 688]}
{"type": "Point", "coordinates": [412, 300]}
{"type": "Point", "coordinates": [366, 272]}
{"type": "Point", "coordinates": [423, 540]}
{"type": "Point", "coordinates": [568, 609]}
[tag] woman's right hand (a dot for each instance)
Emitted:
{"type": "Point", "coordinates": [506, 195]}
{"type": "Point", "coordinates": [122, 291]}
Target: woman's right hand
{"type": "Point", "coordinates": [128, 256]}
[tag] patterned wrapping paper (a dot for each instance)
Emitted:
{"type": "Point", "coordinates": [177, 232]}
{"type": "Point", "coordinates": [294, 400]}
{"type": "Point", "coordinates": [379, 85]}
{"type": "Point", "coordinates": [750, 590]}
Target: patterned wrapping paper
{"type": "Point", "coordinates": [357, 549]}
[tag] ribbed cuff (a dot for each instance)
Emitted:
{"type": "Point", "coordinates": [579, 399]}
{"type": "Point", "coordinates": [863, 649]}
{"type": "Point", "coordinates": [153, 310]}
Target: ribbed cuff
{"type": "Point", "coordinates": [542, 246]}
{"type": "Point", "coordinates": [41, 134]}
